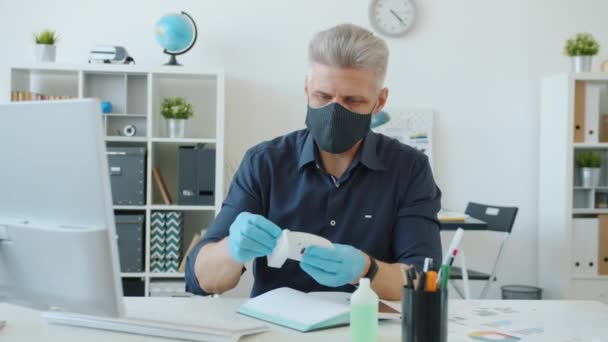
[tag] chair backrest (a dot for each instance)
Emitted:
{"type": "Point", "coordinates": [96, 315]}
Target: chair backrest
{"type": "Point", "coordinates": [499, 219]}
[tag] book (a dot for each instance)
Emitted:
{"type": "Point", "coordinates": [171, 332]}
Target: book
{"type": "Point", "coordinates": [308, 311]}
{"type": "Point", "coordinates": [451, 216]}
{"type": "Point", "coordinates": [162, 187]}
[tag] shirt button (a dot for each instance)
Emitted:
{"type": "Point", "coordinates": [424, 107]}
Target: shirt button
{"type": "Point", "coordinates": [332, 223]}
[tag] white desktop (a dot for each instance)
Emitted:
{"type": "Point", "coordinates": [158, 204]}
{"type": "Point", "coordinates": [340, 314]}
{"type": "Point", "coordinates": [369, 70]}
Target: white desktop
{"type": "Point", "coordinates": [58, 246]}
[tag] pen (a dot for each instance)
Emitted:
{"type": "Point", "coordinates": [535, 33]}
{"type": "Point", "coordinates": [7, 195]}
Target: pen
{"type": "Point", "coordinates": [421, 282]}
{"type": "Point", "coordinates": [452, 250]}
{"type": "Point", "coordinates": [427, 264]}
{"type": "Point", "coordinates": [409, 280]}
{"type": "Point", "coordinates": [411, 276]}
{"type": "Point", "coordinates": [445, 276]}
{"type": "Point", "coordinates": [431, 277]}
{"type": "Point", "coordinates": [404, 275]}
{"type": "Point", "coordinates": [431, 281]}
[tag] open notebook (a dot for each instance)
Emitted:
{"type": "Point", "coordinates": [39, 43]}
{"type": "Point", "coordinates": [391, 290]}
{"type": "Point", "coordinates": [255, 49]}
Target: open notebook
{"type": "Point", "coordinates": [307, 311]}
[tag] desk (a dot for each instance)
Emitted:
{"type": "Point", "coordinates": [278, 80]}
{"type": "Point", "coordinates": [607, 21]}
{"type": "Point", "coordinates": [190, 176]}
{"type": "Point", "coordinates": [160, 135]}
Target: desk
{"type": "Point", "coordinates": [470, 223]}
{"type": "Point", "coordinates": [562, 321]}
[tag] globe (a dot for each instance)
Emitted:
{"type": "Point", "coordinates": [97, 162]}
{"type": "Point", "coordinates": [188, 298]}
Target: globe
{"type": "Point", "coordinates": [176, 33]}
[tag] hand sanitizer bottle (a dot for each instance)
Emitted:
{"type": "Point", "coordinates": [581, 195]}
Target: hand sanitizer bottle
{"type": "Point", "coordinates": [364, 313]}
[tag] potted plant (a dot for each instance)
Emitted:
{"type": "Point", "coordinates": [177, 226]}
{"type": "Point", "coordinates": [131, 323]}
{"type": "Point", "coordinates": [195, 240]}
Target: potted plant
{"type": "Point", "coordinates": [581, 48]}
{"type": "Point", "coordinates": [589, 163]}
{"type": "Point", "coordinates": [45, 46]}
{"type": "Point", "coordinates": [177, 111]}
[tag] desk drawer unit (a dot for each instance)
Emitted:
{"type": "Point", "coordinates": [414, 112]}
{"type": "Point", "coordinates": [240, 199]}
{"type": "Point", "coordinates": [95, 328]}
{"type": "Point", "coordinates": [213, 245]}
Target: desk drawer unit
{"type": "Point", "coordinates": [127, 174]}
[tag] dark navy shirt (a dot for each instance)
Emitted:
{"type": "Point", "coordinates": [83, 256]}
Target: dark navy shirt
{"type": "Point", "coordinates": [385, 204]}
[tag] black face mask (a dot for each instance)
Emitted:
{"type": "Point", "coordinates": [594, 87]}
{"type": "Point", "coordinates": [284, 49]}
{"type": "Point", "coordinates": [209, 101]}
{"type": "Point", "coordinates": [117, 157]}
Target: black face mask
{"type": "Point", "coordinates": [335, 128]}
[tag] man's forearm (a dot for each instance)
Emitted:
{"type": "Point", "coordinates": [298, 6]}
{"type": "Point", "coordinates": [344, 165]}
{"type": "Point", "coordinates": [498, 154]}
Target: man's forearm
{"type": "Point", "coordinates": [388, 282]}
{"type": "Point", "coordinates": [215, 270]}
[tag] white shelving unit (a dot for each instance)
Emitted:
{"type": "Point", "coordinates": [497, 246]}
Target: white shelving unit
{"type": "Point", "coordinates": [568, 251]}
{"type": "Point", "coordinates": [136, 93]}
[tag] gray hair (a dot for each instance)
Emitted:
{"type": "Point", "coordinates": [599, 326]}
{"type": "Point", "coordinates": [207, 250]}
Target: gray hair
{"type": "Point", "coordinates": [350, 46]}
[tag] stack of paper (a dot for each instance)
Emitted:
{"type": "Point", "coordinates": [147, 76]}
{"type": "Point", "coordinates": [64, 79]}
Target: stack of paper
{"type": "Point", "coordinates": [451, 216]}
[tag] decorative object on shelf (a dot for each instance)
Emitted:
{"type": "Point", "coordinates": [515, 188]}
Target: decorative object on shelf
{"type": "Point", "coordinates": [173, 240]}
{"type": "Point", "coordinates": [196, 175]}
{"type": "Point", "coordinates": [589, 163]}
{"type": "Point", "coordinates": [19, 96]}
{"type": "Point", "coordinates": [176, 33]}
{"type": "Point", "coordinates": [176, 110]}
{"type": "Point", "coordinates": [127, 174]}
{"type": "Point", "coordinates": [162, 187]}
{"type": "Point", "coordinates": [581, 48]}
{"type": "Point", "coordinates": [168, 288]}
{"type": "Point", "coordinates": [110, 54]}
{"type": "Point", "coordinates": [106, 107]}
{"type": "Point", "coordinates": [604, 66]}
{"type": "Point", "coordinates": [45, 46]}
{"type": "Point", "coordinates": [601, 200]}
{"type": "Point", "coordinates": [392, 18]}
{"type": "Point", "coordinates": [157, 241]}
{"type": "Point", "coordinates": [131, 235]}
{"type": "Point", "coordinates": [129, 131]}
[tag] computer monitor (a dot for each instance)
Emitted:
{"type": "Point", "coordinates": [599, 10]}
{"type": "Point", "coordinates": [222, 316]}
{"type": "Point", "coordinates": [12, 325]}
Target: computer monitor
{"type": "Point", "coordinates": [57, 236]}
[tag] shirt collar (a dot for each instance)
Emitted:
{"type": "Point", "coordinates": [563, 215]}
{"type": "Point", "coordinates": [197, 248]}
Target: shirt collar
{"type": "Point", "coordinates": [368, 154]}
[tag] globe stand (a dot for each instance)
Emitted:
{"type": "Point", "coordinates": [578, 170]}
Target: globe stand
{"type": "Point", "coordinates": [172, 60]}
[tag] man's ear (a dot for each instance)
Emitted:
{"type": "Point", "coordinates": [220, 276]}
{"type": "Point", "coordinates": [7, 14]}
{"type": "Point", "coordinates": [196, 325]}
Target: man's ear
{"type": "Point", "coordinates": [382, 98]}
{"type": "Point", "coordinates": [306, 85]}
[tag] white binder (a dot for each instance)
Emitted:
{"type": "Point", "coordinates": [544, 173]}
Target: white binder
{"type": "Point", "coordinates": [592, 112]}
{"type": "Point", "coordinates": [585, 247]}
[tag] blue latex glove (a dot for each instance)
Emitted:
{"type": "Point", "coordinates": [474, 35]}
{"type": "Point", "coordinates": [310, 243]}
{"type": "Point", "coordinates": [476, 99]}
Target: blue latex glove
{"type": "Point", "coordinates": [333, 267]}
{"type": "Point", "coordinates": [251, 236]}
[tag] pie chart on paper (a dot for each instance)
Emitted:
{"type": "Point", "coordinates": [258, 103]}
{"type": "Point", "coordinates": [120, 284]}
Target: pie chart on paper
{"type": "Point", "coordinates": [491, 336]}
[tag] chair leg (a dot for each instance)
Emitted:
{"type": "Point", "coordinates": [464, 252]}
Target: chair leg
{"type": "Point", "coordinates": [465, 274]}
{"type": "Point", "coordinates": [497, 263]}
{"type": "Point", "coordinates": [458, 289]}
{"type": "Point", "coordinates": [486, 288]}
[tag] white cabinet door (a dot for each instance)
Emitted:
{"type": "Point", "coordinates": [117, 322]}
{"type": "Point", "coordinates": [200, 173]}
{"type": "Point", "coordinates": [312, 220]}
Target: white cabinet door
{"type": "Point", "coordinates": [585, 247]}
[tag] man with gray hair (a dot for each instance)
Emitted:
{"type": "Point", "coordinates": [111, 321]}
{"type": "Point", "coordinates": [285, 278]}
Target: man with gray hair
{"type": "Point", "coordinates": [374, 198]}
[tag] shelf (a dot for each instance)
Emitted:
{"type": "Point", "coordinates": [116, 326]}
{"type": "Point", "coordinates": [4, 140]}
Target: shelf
{"type": "Point", "coordinates": [591, 145]}
{"type": "Point", "coordinates": [121, 68]}
{"type": "Point", "coordinates": [129, 207]}
{"type": "Point", "coordinates": [590, 277]}
{"type": "Point", "coordinates": [131, 275]}
{"type": "Point", "coordinates": [184, 140]}
{"type": "Point", "coordinates": [125, 139]}
{"type": "Point", "coordinates": [174, 275]}
{"type": "Point", "coordinates": [601, 188]}
{"type": "Point", "coordinates": [183, 207]}
{"type": "Point", "coordinates": [116, 115]}
{"type": "Point", "coordinates": [590, 211]}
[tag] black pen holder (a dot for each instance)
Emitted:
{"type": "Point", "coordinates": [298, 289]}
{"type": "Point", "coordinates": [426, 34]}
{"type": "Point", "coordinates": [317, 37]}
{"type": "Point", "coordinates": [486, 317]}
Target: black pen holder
{"type": "Point", "coordinates": [425, 316]}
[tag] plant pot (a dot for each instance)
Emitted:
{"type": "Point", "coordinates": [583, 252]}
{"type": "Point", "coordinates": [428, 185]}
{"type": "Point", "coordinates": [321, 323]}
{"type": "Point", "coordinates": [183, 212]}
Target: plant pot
{"type": "Point", "coordinates": [45, 53]}
{"type": "Point", "coordinates": [590, 177]}
{"type": "Point", "coordinates": [581, 63]}
{"type": "Point", "coordinates": [176, 128]}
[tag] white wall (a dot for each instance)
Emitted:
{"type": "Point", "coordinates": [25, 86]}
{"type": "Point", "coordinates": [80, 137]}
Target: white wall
{"type": "Point", "coordinates": [476, 62]}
